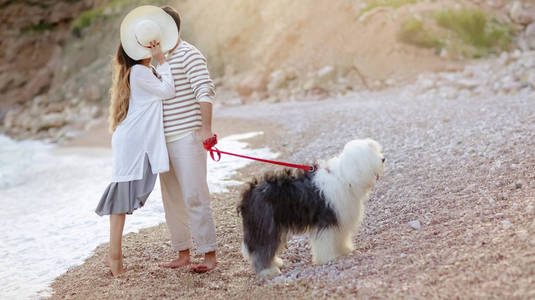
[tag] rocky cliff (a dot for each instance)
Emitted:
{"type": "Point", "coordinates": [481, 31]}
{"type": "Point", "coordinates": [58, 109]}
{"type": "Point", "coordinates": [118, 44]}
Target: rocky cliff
{"type": "Point", "coordinates": [55, 55]}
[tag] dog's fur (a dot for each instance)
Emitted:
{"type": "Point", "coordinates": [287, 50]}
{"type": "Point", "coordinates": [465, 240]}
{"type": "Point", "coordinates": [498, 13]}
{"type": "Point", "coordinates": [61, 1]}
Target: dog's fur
{"type": "Point", "coordinates": [327, 204]}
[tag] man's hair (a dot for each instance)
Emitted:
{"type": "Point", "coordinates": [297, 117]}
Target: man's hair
{"type": "Point", "coordinates": [174, 14]}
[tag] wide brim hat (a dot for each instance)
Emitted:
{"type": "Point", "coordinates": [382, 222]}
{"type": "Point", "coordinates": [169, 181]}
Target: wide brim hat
{"type": "Point", "coordinates": [143, 25]}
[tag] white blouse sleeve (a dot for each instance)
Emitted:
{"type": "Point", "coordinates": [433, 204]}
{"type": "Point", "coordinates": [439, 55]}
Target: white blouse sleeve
{"type": "Point", "coordinates": [164, 88]}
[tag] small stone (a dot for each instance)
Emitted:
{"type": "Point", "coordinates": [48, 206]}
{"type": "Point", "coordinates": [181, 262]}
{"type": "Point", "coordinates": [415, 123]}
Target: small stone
{"type": "Point", "coordinates": [426, 84]}
{"type": "Point", "coordinates": [506, 223]}
{"type": "Point", "coordinates": [415, 224]}
{"type": "Point", "coordinates": [522, 234]}
{"type": "Point", "coordinates": [468, 83]}
{"type": "Point", "coordinates": [504, 58]}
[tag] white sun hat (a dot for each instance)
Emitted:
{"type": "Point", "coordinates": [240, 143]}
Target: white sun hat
{"type": "Point", "coordinates": [145, 24]}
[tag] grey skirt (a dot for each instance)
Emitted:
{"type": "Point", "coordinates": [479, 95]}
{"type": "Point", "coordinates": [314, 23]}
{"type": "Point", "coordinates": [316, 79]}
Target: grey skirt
{"type": "Point", "coordinates": [125, 197]}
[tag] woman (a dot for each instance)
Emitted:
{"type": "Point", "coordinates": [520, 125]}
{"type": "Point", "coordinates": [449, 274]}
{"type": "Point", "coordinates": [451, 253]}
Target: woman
{"type": "Point", "coordinates": [138, 141]}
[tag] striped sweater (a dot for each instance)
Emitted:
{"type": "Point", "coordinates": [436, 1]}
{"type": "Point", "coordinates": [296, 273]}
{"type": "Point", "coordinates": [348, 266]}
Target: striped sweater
{"type": "Point", "coordinates": [182, 113]}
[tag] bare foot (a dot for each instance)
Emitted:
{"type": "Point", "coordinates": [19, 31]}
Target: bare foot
{"type": "Point", "coordinates": [182, 260]}
{"type": "Point", "coordinates": [116, 266]}
{"type": "Point", "coordinates": [177, 263]}
{"type": "Point", "coordinates": [207, 265]}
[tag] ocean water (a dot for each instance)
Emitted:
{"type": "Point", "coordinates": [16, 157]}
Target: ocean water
{"type": "Point", "coordinates": [47, 200]}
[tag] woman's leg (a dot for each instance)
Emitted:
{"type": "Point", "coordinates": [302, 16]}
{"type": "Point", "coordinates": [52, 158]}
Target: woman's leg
{"type": "Point", "coordinates": [115, 258]}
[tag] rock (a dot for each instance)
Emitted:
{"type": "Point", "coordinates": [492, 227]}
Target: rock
{"type": "Point", "coordinates": [277, 80]}
{"type": "Point", "coordinates": [519, 184]}
{"type": "Point", "coordinates": [520, 14]}
{"type": "Point", "coordinates": [390, 82]}
{"type": "Point", "coordinates": [468, 83]}
{"type": "Point", "coordinates": [415, 224]}
{"type": "Point", "coordinates": [426, 83]}
{"type": "Point", "coordinates": [531, 79]}
{"type": "Point", "coordinates": [41, 99]}
{"type": "Point", "coordinates": [93, 93]}
{"type": "Point", "coordinates": [496, 3]}
{"type": "Point", "coordinates": [504, 58]}
{"type": "Point", "coordinates": [309, 84]}
{"type": "Point", "coordinates": [448, 92]}
{"type": "Point", "coordinates": [517, 54]}
{"type": "Point", "coordinates": [89, 112]}
{"type": "Point", "coordinates": [10, 117]}
{"type": "Point", "coordinates": [53, 120]}
{"type": "Point", "coordinates": [506, 223]}
{"type": "Point", "coordinates": [251, 83]}
{"type": "Point", "coordinates": [327, 74]}
{"type": "Point", "coordinates": [369, 14]}
{"type": "Point", "coordinates": [92, 124]}
{"type": "Point", "coordinates": [448, 77]}
{"type": "Point", "coordinates": [528, 61]}
{"type": "Point", "coordinates": [65, 133]}
{"type": "Point", "coordinates": [529, 36]}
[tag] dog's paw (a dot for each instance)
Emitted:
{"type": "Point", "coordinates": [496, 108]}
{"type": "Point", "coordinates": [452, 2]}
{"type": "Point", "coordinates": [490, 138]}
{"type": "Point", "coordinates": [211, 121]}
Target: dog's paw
{"type": "Point", "coordinates": [277, 262]}
{"type": "Point", "coordinates": [269, 273]}
{"type": "Point", "coordinates": [320, 260]}
{"type": "Point", "coordinates": [244, 251]}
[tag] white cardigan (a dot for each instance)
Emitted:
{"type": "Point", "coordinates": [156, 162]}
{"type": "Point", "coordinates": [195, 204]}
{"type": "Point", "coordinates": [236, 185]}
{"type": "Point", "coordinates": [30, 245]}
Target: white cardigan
{"type": "Point", "coordinates": [141, 132]}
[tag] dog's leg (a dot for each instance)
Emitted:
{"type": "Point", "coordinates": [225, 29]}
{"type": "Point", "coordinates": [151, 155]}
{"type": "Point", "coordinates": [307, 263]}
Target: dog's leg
{"type": "Point", "coordinates": [329, 244]}
{"type": "Point", "coordinates": [277, 261]}
{"type": "Point", "coordinates": [245, 252]}
{"type": "Point", "coordinates": [263, 258]}
{"type": "Point", "coordinates": [344, 242]}
{"type": "Point", "coordinates": [264, 263]}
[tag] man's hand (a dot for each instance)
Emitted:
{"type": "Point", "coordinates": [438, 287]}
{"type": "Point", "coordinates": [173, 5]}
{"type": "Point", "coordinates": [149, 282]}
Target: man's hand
{"type": "Point", "coordinates": [206, 133]}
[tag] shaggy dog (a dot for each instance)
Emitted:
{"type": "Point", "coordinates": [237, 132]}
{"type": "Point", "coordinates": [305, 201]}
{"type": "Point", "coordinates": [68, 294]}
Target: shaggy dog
{"type": "Point", "coordinates": [328, 204]}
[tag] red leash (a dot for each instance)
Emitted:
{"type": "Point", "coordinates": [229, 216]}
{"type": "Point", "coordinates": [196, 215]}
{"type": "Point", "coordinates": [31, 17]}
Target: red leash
{"type": "Point", "coordinates": [211, 142]}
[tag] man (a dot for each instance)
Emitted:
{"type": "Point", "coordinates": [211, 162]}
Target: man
{"type": "Point", "coordinates": [187, 121]}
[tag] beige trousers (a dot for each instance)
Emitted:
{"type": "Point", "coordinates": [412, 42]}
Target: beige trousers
{"type": "Point", "coordinates": [186, 198]}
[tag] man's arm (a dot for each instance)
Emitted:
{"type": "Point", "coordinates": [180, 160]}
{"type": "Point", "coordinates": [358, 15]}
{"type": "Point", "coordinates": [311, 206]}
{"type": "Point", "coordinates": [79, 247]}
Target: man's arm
{"type": "Point", "coordinates": [206, 114]}
{"type": "Point", "coordinates": [203, 88]}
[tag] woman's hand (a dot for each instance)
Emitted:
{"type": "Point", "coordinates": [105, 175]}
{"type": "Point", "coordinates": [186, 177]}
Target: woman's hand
{"type": "Point", "coordinates": [156, 52]}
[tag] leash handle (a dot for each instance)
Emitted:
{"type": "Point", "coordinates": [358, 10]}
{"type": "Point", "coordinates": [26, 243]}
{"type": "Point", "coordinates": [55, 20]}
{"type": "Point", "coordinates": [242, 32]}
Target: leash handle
{"type": "Point", "coordinates": [210, 142]}
{"type": "Point", "coordinates": [209, 145]}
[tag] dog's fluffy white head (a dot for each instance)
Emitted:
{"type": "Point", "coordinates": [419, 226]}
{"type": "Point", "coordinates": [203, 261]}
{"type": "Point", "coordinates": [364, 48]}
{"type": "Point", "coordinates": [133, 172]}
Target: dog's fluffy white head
{"type": "Point", "coordinates": [361, 162]}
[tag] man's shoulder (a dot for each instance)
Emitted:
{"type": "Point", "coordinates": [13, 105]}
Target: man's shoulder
{"type": "Point", "coordinates": [185, 50]}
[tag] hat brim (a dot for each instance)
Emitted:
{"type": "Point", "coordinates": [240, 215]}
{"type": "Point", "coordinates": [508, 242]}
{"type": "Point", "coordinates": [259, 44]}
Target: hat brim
{"type": "Point", "coordinates": [169, 31]}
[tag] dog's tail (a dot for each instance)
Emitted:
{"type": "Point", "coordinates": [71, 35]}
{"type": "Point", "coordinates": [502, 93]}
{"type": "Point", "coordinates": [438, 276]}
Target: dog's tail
{"type": "Point", "coordinates": [246, 194]}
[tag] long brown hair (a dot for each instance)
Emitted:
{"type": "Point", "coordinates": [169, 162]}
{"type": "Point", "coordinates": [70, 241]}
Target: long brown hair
{"type": "Point", "coordinates": [120, 87]}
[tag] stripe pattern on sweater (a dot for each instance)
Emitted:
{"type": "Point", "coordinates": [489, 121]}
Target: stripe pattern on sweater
{"type": "Point", "coordinates": [192, 85]}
